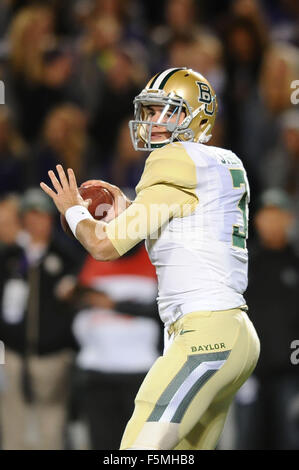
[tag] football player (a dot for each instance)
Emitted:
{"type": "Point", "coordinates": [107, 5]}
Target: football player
{"type": "Point", "coordinates": [192, 209]}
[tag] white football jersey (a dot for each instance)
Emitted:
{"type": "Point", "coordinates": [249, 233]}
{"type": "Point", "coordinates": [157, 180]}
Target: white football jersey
{"type": "Point", "coordinates": [201, 258]}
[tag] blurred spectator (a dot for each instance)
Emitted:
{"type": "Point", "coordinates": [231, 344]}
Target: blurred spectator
{"type": "Point", "coordinates": [127, 12]}
{"type": "Point", "coordinates": [62, 12]}
{"type": "Point", "coordinates": [35, 323]}
{"type": "Point", "coordinates": [10, 223]}
{"type": "Point", "coordinates": [119, 337]}
{"type": "Point", "coordinates": [42, 72]}
{"type": "Point", "coordinates": [64, 140]}
{"type": "Point", "coordinates": [280, 67]}
{"type": "Point", "coordinates": [281, 167]}
{"type": "Point", "coordinates": [251, 10]}
{"type": "Point", "coordinates": [116, 8]}
{"type": "Point", "coordinates": [57, 67]}
{"type": "Point", "coordinates": [181, 18]}
{"type": "Point", "coordinates": [261, 117]}
{"type": "Point", "coordinates": [266, 408]}
{"type": "Point", "coordinates": [181, 23]}
{"type": "Point", "coordinates": [202, 52]}
{"type": "Point", "coordinates": [107, 35]}
{"type": "Point", "coordinates": [12, 155]}
{"type": "Point", "coordinates": [121, 84]}
{"type": "Point", "coordinates": [245, 39]}
{"type": "Point", "coordinates": [96, 50]}
{"type": "Point", "coordinates": [59, 80]}
{"type": "Point", "coordinates": [126, 165]}
{"type": "Point", "coordinates": [244, 47]}
{"type": "Point", "coordinates": [87, 9]}
{"type": "Point", "coordinates": [30, 30]}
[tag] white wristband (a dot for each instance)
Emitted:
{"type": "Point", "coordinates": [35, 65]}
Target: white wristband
{"type": "Point", "coordinates": [75, 214]}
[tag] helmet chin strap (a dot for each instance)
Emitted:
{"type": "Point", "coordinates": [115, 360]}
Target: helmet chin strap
{"type": "Point", "coordinates": [189, 118]}
{"type": "Point", "coordinates": [204, 138]}
{"type": "Point", "coordinates": [187, 134]}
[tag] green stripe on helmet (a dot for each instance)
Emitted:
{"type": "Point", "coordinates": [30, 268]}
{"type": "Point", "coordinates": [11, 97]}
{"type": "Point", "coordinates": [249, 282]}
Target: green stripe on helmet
{"type": "Point", "coordinates": [154, 79]}
{"type": "Point", "coordinates": [167, 78]}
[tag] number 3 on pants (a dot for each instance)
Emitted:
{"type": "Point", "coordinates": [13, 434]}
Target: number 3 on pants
{"type": "Point", "coordinates": [240, 233]}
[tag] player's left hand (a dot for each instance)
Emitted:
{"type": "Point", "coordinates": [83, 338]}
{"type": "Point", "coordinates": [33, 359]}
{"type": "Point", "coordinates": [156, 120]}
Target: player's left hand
{"type": "Point", "coordinates": [67, 194]}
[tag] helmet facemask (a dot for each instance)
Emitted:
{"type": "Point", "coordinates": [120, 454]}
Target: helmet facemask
{"type": "Point", "coordinates": [141, 127]}
{"type": "Point", "coordinates": [171, 105]}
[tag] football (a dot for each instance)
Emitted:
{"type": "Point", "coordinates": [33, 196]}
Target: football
{"type": "Point", "coordinates": [101, 201]}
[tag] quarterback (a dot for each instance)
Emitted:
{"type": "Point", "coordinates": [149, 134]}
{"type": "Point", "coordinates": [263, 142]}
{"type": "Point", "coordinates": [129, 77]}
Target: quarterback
{"type": "Point", "coordinates": [198, 247]}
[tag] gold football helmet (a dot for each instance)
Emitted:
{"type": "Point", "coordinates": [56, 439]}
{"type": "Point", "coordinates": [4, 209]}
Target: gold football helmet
{"type": "Point", "coordinates": [177, 91]}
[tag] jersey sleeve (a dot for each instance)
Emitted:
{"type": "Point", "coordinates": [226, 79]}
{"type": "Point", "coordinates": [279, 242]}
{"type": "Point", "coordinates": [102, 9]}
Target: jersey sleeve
{"type": "Point", "coordinates": [169, 165]}
{"type": "Point", "coordinates": [166, 189]}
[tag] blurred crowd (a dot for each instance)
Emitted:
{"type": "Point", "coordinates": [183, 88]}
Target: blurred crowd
{"type": "Point", "coordinates": [72, 327]}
